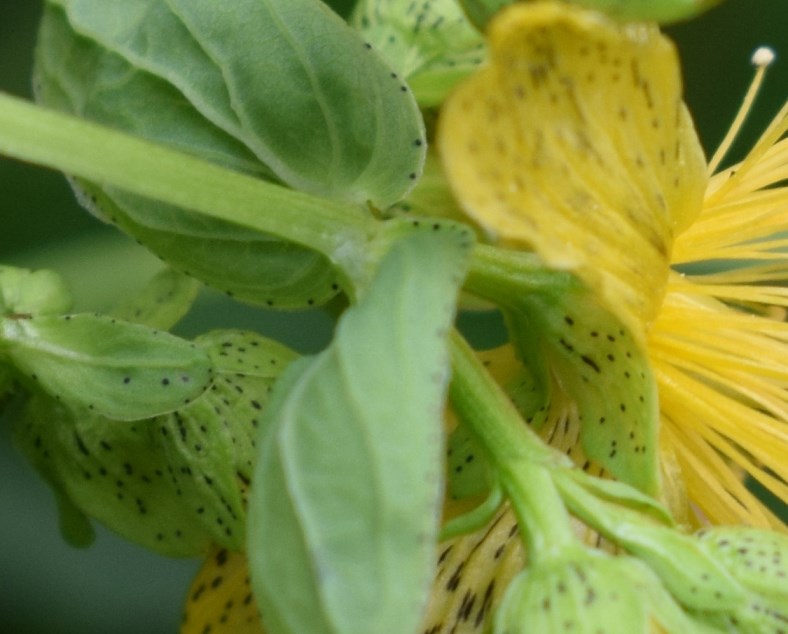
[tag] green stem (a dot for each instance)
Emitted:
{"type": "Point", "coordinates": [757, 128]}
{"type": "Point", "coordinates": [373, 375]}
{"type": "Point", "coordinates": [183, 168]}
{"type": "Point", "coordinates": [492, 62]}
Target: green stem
{"type": "Point", "coordinates": [506, 276]}
{"type": "Point", "coordinates": [62, 142]}
{"type": "Point", "coordinates": [522, 461]}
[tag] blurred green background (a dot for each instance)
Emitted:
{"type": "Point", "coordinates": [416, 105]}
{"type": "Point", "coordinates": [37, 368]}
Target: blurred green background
{"type": "Point", "coordinates": [114, 587]}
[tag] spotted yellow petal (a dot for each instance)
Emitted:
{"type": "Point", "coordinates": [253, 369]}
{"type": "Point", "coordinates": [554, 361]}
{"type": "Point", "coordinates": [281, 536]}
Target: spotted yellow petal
{"type": "Point", "coordinates": [220, 598]}
{"type": "Point", "coordinates": [574, 142]}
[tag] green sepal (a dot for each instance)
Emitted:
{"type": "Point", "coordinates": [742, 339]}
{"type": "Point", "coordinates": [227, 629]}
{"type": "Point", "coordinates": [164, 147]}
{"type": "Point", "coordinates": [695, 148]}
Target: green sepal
{"type": "Point", "coordinates": [113, 368]}
{"type": "Point", "coordinates": [25, 292]}
{"type": "Point", "coordinates": [758, 559]}
{"type": "Point", "coordinates": [604, 369]}
{"type": "Point", "coordinates": [468, 471]}
{"type": "Point", "coordinates": [166, 298]}
{"type": "Point", "coordinates": [618, 493]}
{"type": "Point", "coordinates": [345, 501]}
{"type": "Point", "coordinates": [696, 579]}
{"type": "Point", "coordinates": [431, 44]}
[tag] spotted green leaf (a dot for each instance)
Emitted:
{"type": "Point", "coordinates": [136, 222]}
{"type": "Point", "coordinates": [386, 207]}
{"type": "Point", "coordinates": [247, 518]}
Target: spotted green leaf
{"type": "Point", "coordinates": [604, 370]}
{"type": "Point", "coordinates": [286, 78]}
{"type": "Point", "coordinates": [480, 12]}
{"type": "Point", "coordinates": [431, 44]}
{"type": "Point", "coordinates": [116, 369]}
{"type": "Point", "coordinates": [166, 298]}
{"type": "Point", "coordinates": [345, 500]}
{"type": "Point", "coordinates": [78, 76]}
{"type": "Point", "coordinates": [174, 483]}
{"type": "Point", "coordinates": [24, 292]}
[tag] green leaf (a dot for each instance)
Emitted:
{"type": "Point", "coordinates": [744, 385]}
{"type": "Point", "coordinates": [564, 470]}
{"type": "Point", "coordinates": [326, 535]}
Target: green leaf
{"type": "Point", "coordinates": [78, 76]}
{"type": "Point", "coordinates": [24, 292]}
{"type": "Point", "coordinates": [345, 501]}
{"type": "Point", "coordinates": [431, 44]}
{"type": "Point", "coordinates": [606, 372]}
{"type": "Point", "coordinates": [116, 369]}
{"type": "Point", "coordinates": [287, 78]}
{"type": "Point", "coordinates": [166, 298]}
{"type": "Point", "coordinates": [174, 483]}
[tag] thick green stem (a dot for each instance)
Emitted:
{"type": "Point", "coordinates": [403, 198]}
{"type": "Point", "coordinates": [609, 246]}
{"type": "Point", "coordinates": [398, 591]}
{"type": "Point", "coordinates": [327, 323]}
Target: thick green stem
{"type": "Point", "coordinates": [522, 461]}
{"type": "Point", "coordinates": [62, 142]}
{"type": "Point", "coordinates": [506, 276]}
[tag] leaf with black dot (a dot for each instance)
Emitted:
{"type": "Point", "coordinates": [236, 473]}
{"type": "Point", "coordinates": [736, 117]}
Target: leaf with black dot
{"type": "Point", "coordinates": [114, 368]}
{"type": "Point", "coordinates": [430, 44]}
{"type": "Point", "coordinates": [77, 75]}
{"type": "Point", "coordinates": [219, 254]}
{"type": "Point", "coordinates": [220, 599]}
{"type": "Point", "coordinates": [344, 505]}
{"type": "Point", "coordinates": [574, 142]}
{"type": "Point", "coordinates": [166, 298]}
{"type": "Point", "coordinates": [175, 483]}
{"type": "Point", "coordinates": [114, 472]}
{"type": "Point", "coordinates": [605, 370]}
{"type": "Point", "coordinates": [25, 292]}
{"type": "Point", "coordinates": [288, 80]}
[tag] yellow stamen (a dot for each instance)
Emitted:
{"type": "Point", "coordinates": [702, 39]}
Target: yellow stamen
{"type": "Point", "coordinates": [761, 59]}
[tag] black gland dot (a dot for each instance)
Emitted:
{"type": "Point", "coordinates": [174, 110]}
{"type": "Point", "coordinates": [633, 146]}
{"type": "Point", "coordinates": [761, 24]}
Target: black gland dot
{"type": "Point", "coordinates": [165, 381]}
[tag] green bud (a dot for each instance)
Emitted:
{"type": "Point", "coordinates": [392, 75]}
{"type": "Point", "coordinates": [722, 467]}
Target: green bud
{"type": "Point", "coordinates": [586, 591]}
{"type": "Point", "coordinates": [24, 292]}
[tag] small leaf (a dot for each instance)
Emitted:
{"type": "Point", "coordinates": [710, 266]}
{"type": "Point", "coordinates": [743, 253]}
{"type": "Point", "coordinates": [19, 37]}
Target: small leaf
{"type": "Point", "coordinates": [166, 298]}
{"type": "Point", "coordinates": [24, 292]}
{"type": "Point", "coordinates": [116, 369]}
{"type": "Point", "coordinates": [431, 44]}
{"type": "Point", "coordinates": [345, 501]}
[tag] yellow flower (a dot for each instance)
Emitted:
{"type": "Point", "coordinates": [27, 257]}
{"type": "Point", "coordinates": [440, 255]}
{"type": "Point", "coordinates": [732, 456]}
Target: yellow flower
{"type": "Point", "coordinates": [574, 142]}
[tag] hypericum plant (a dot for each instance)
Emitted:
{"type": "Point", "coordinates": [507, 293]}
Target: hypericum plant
{"type": "Point", "coordinates": [271, 150]}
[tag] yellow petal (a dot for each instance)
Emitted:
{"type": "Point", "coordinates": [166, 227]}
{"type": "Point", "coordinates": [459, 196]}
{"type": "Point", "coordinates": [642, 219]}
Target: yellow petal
{"type": "Point", "coordinates": [574, 142]}
{"type": "Point", "coordinates": [220, 599]}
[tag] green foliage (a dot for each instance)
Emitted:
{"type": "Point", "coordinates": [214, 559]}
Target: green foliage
{"type": "Point", "coordinates": [116, 369]}
{"type": "Point", "coordinates": [285, 78]}
{"type": "Point", "coordinates": [270, 150]}
{"type": "Point", "coordinates": [344, 508]}
{"type": "Point", "coordinates": [173, 483]}
{"type": "Point", "coordinates": [430, 44]}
